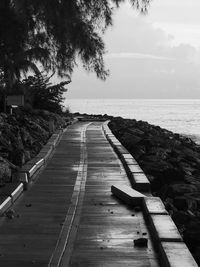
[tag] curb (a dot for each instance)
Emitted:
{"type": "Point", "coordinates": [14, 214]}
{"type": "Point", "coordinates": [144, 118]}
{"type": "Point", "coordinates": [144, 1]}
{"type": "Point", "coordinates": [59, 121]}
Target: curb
{"type": "Point", "coordinates": [166, 238]}
{"type": "Point", "coordinates": [138, 179]}
{"type": "Point", "coordinates": [30, 169]}
{"type": "Point", "coordinates": [17, 192]}
{"type": "Point", "coordinates": [5, 205]}
{"type": "Point", "coordinates": [34, 165]}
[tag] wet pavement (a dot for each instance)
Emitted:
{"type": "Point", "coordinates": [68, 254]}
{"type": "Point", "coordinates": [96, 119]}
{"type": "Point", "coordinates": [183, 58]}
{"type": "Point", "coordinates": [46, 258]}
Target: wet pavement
{"type": "Point", "coordinates": [69, 217]}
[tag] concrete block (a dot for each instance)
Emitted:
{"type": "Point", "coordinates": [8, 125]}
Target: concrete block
{"type": "Point", "coordinates": [121, 149]}
{"type": "Point", "coordinates": [46, 149]}
{"type": "Point", "coordinates": [17, 192]}
{"type": "Point", "coordinates": [116, 143]}
{"type": "Point", "coordinates": [47, 155]}
{"type": "Point", "coordinates": [32, 171]}
{"type": "Point", "coordinates": [109, 134]}
{"type": "Point", "coordinates": [41, 155]}
{"type": "Point", "coordinates": [163, 228]}
{"type": "Point", "coordinates": [33, 161]}
{"type": "Point", "coordinates": [40, 163]}
{"type": "Point", "coordinates": [135, 169]}
{"type": "Point", "coordinates": [176, 254]}
{"type": "Point", "coordinates": [141, 182]}
{"type": "Point", "coordinates": [23, 177]}
{"type": "Point", "coordinates": [129, 161]}
{"type": "Point", "coordinates": [127, 194]}
{"type": "Point", "coordinates": [114, 140]}
{"type": "Point", "coordinates": [52, 143]}
{"type": "Point", "coordinates": [5, 205]}
{"type": "Point", "coordinates": [127, 156]}
{"type": "Point", "coordinates": [154, 205]}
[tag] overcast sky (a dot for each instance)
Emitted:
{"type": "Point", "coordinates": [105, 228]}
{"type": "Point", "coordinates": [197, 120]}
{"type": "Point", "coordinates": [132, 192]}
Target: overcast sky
{"type": "Point", "coordinates": [152, 56]}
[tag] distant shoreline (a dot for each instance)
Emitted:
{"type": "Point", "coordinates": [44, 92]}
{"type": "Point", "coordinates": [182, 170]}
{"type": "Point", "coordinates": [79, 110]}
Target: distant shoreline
{"type": "Point", "coordinates": [182, 116]}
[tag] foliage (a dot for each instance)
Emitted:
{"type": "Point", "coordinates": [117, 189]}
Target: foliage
{"type": "Point", "coordinates": [41, 94]}
{"type": "Point", "coordinates": [67, 29]}
{"type": "Point", "coordinates": [18, 53]}
{"type": "Point", "coordinates": [53, 33]}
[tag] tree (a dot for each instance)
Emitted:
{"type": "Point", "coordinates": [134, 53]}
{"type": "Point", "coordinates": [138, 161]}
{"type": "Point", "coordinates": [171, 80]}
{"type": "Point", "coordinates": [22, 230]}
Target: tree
{"type": "Point", "coordinates": [18, 49]}
{"type": "Point", "coordinates": [42, 94]}
{"type": "Point", "coordinates": [54, 33]}
{"type": "Point", "coordinates": [69, 29]}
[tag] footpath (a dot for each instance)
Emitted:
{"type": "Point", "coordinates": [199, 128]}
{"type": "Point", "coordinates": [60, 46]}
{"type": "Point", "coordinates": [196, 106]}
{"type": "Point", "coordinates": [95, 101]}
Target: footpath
{"type": "Point", "coordinates": [69, 216]}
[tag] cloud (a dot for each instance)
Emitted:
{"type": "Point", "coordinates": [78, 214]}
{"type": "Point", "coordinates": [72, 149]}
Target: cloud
{"type": "Point", "coordinates": [144, 62]}
{"type": "Point", "coordinates": [182, 32]}
{"type": "Point", "coordinates": [126, 55]}
{"type": "Point", "coordinates": [179, 11]}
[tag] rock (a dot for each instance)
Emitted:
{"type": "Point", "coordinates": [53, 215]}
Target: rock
{"type": "Point", "coordinates": [10, 214]}
{"type": "Point", "coordinates": [137, 208]}
{"type": "Point", "coordinates": [18, 157]}
{"type": "Point", "coordinates": [26, 137]}
{"type": "Point", "coordinates": [172, 162]}
{"type": "Point", "coordinates": [141, 242]}
{"type": "Point", "coordinates": [27, 155]}
{"type": "Point", "coordinates": [192, 234]}
{"type": "Point", "coordinates": [130, 140]}
{"type": "Point", "coordinates": [181, 203]}
{"type": "Point", "coordinates": [179, 189]}
{"type": "Point", "coordinates": [193, 203]}
{"type": "Point", "coordinates": [181, 217]}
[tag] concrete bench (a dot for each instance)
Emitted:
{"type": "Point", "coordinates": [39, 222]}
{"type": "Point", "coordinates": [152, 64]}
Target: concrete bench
{"type": "Point", "coordinates": [127, 194]}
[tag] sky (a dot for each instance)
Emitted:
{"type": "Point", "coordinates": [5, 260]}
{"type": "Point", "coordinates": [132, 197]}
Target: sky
{"type": "Point", "coordinates": [151, 56]}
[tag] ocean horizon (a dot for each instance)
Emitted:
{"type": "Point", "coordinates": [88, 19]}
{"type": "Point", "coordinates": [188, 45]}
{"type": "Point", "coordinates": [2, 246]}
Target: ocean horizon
{"type": "Point", "coordinates": [177, 115]}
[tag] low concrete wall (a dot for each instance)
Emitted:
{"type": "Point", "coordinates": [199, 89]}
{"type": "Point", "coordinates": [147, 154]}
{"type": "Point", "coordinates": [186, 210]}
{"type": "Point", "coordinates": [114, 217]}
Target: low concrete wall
{"type": "Point", "coordinates": [28, 171]}
{"type": "Point", "coordinates": [165, 235]}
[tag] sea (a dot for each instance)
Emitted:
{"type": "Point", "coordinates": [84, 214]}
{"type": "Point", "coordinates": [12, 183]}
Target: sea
{"type": "Point", "coordinates": [177, 115]}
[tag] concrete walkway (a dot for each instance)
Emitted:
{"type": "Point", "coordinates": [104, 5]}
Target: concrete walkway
{"type": "Point", "coordinates": [69, 216]}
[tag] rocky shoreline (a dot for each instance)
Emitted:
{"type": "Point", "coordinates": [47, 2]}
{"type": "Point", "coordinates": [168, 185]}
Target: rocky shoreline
{"type": "Point", "coordinates": [172, 164]}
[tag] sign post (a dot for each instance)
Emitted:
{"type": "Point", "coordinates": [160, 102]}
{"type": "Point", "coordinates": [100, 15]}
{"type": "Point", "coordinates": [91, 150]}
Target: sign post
{"type": "Point", "coordinates": [15, 100]}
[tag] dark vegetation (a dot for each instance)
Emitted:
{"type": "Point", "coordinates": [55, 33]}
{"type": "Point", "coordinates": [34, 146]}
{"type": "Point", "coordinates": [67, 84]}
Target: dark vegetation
{"type": "Point", "coordinates": [40, 38]}
{"type": "Point", "coordinates": [53, 34]}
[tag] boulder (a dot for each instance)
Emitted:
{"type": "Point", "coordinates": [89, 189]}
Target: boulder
{"type": "Point", "coordinates": [181, 203]}
{"type": "Point", "coordinates": [172, 161]}
{"type": "Point", "coordinates": [181, 218]}
{"type": "Point", "coordinates": [192, 234]}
